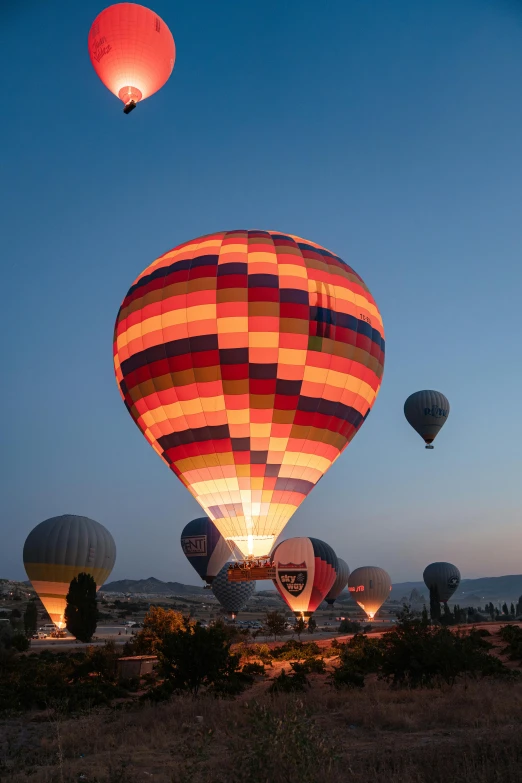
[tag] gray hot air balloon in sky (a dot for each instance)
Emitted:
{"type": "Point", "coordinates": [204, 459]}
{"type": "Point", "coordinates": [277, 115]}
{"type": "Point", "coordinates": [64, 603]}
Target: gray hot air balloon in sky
{"type": "Point", "coordinates": [369, 586]}
{"type": "Point", "coordinates": [59, 549]}
{"type": "Point", "coordinates": [341, 580]}
{"type": "Point", "coordinates": [444, 576]}
{"type": "Point", "coordinates": [232, 596]}
{"type": "Point", "coordinates": [427, 412]}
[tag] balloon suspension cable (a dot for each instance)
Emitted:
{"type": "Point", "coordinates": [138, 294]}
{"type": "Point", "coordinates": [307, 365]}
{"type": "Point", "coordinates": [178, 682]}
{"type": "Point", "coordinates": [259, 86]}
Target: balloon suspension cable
{"type": "Point", "coordinates": [129, 107]}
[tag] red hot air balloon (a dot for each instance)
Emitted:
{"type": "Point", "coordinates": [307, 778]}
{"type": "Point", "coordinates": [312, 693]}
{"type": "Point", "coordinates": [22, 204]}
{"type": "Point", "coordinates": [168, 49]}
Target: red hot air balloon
{"type": "Point", "coordinates": [132, 51]}
{"type": "Point", "coordinates": [306, 569]}
{"type": "Point", "coordinates": [249, 360]}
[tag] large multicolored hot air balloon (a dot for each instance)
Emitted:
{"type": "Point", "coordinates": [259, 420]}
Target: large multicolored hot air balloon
{"type": "Point", "coordinates": [59, 549]}
{"type": "Point", "coordinates": [370, 587]}
{"type": "Point", "coordinates": [249, 360]}
{"type": "Point", "coordinates": [341, 580]}
{"type": "Point", "coordinates": [132, 51]}
{"type": "Point", "coordinates": [306, 569]}
{"type": "Point", "coordinates": [205, 548]}
{"type": "Point", "coordinates": [233, 596]}
{"type": "Point", "coordinates": [445, 577]}
{"type": "Point", "coordinates": [427, 412]}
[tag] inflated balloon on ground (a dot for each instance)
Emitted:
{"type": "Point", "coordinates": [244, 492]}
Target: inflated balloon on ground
{"type": "Point", "coordinates": [249, 360]}
{"type": "Point", "coordinates": [306, 569]}
{"type": "Point", "coordinates": [369, 587]}
{"type": "Point", "coordinates": [59, 549]}
{"type": "Point", "coordinates": [341, 580]}
{"type": "Point", "coordinates": [445, 577]}
{"type": "Point", "coordinates": [233, 596]}
{"type": "Point", "coordinates": [204, 547]}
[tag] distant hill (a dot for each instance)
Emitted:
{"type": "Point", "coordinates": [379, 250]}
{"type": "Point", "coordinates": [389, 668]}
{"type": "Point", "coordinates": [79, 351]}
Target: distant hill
{"type": "Point", "coordinates": [150, 586]}
{"type": "Point", "coordinates": [473, 591]}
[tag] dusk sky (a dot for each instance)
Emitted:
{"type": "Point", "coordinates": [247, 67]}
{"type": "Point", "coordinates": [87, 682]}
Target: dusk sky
{"type": "Point", "coordinates": [388, 132]}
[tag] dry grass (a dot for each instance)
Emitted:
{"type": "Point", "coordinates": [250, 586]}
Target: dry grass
{"type": "Point", "coordinates": [390, 736]}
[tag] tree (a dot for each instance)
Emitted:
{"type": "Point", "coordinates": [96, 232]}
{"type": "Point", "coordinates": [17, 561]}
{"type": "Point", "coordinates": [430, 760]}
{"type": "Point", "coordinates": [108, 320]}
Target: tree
{"type": "Point", "coordinates": [424, 615]}
{"type": "Point", "coordinates": [157, 624]}
{"type": "Point", "coordinates": [505, 610]}
{"type": "Point", "coordinates": [30, 618]}
{"type": "Point", "coordinates": [312, 625]}
{"type": "Point", "coordinates": [275, 623]}
{"type": "Point", "coordinates": [15, 620]}
{"type": "Point", "coordinates": [518, 607]}
{"type": "Point", "coordinates": [447, 618]}
{"type": "Point", "coordinates": [300, 627]}
{"type": "Point", "coordinates": [81, 611]}
{"type": "Point", "coordinates": [512, 609]}
{"type": "Point", "coordinates": [349, 626]}
{"type": "Point", "coordinates": [434, 603]}
{"type": "Point", "coordinates": [193, 657]}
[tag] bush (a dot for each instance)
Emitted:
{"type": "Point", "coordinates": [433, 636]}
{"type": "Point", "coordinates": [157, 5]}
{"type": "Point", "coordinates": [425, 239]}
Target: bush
{"type": "Point", "coordinates": [157, 625]}
{"type": "Point", "coordinates": [346, 677]}
{"type": "Point", "coordinates": [313, 666]}
{"type": "Point", "coordinates": [20, 642]}
{"type": "Point", "coordinates": [362, 654]}
{"type": "Point", "coordinates": [194, 657]}
{"type": "Point", "coordinates": [254, 669]}
{"type": "Point", "coordinates": [349, 626]}
{"type": "Point", "coordinates": [293, 650]}
{"type": "Point", "coordinates": [512, 634]}
{"type": "Point", "coordinates": [294, 682]}
{"type": "Point", "coordinates": [417, 655]}
{"type": "Point", "coordinates": [69, 680]}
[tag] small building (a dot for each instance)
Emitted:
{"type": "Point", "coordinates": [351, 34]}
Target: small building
{"type": "Point", "coordinates": [135, 666]}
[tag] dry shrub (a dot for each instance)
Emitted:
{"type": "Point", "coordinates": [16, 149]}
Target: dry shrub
{"type": "Point", "coordinates": [470, 735]}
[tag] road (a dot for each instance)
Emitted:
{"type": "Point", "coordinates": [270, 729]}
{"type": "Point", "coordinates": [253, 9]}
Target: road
{"type": "Point", "coordinates": [104, 633]}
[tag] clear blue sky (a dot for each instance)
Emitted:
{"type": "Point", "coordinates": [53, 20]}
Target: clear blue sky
{"type": "Point", "coordinates": [391, 133]}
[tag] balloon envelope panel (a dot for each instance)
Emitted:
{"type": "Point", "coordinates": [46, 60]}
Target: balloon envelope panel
{"type": "Point", "coordinates": [233, 596]}
{"type": "Point", "coordinates": [444, 576]}
{"type": "Point", "coordinates": [306, 569]}
{"type": "Point", "coordinates": [341, 580]}
{"type": "Point", "coordinates": [132, 50]}
{"type": "Point", "coordinates": [204, 547]}
{"type": "Point", "coordinates": [59, 549]}
{"type": "Point", "coordinates": [249, 360]}
{"type": "Point", "coordinates": [427, 412]}
{"type": "Point", "coordinates": [369, 587]}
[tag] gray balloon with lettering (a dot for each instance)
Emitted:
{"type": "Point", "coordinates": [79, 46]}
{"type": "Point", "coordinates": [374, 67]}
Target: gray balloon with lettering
{"type": "Point", "coordinates": [427, 411]}
{"type": "Point", "coordinates": [444, 576]}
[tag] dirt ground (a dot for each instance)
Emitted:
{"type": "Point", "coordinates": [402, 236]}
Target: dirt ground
{"type": "Point", "coordinates": [460, 734]}
{"type": "Point", "coordinates": [469, 733]}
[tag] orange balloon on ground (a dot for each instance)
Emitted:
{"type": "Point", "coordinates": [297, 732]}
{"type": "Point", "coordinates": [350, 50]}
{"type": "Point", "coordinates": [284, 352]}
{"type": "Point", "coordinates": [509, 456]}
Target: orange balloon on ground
{"type": "Point", "coordinates": [132, 51]}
